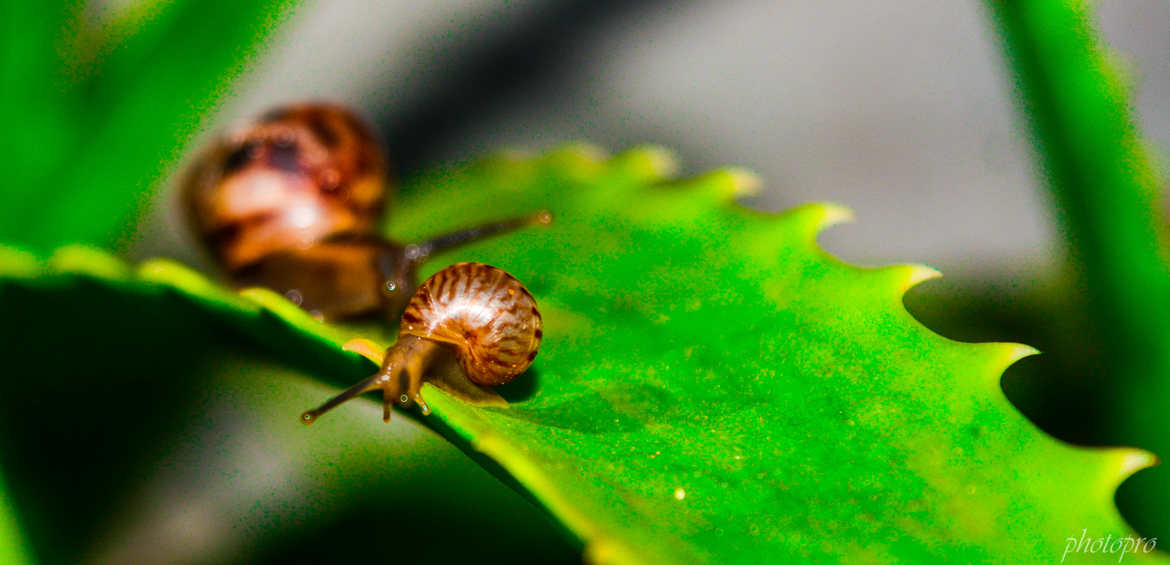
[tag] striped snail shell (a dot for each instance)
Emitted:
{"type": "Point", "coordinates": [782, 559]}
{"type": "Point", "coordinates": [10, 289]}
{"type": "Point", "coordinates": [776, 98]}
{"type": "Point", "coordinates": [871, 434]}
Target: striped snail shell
{"type": "Point", "coordinates": [484, 312]}
{"type": "Point", "coordinates": [293, 202]}
{"type": "Point", "coordinates": [288, 180]}
{"type": "Point", "coordinates": [468, 326]}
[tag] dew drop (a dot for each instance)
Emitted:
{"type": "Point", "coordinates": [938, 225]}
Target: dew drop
{"type": "Point", "coordinates": [391, 286]}
{"type": "Point", "coordinates": [404, 399]}
{"type": "Point", "coordinates": [679, 493]}
{"type": "Point", "coordinates": [295, 296]}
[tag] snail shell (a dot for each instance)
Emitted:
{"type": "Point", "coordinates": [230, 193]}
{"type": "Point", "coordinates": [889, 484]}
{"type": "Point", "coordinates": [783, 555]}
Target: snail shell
{"type": "Point", "coordinates": [293, 203]}
{"type": "Point", "coordinates": [468, 326]}
{"type": "Point", "coordinates": [485, 313]}
{"type": "Point", "coordinates": [297, 175]}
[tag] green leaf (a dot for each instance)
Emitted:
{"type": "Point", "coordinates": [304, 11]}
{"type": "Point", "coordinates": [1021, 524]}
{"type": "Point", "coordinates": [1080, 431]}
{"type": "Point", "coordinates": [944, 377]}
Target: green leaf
{"type": "Point", "coordinates": [711, 385]}
{"type": "Point", "coordinates": [35, 102]}
{"type": "Point", "coordinates": [99, 114]}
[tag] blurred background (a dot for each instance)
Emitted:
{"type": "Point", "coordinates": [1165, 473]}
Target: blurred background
{"type": "Point", "coordinates": [903, 111]}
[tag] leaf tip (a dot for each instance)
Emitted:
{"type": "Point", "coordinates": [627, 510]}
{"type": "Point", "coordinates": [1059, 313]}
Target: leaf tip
{"type": "Point", "coordinates": [663, 162]}
{"type": "Point", "coordinates": [18, 263]}
{"type": "Point", "coordinates": [744, 182]}
{"type": "Point", "coordinates": [1121, 463]}
{"type": "Point", "coordinates": [648, 163]}
{"type": "Point", "coordinates": [918, 274]}
{"type": "Point", "coordinates": [727, 184]}
{"type": "Point", "coordinates": [1016, 351]}
{"type": "Point", "coordinates": [833, 214]}
{"type": "Point", "coordinates": [161, 268]}
{"type": "Point", "coordinates": [84, 259]}
{"type": "Point", "coordinates": [1131, 460]}
{"type": "Point", "coordinates": [812, 218]}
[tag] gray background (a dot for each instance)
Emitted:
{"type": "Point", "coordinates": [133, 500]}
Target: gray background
{"type": "Point", "coordinates": [900, 110]}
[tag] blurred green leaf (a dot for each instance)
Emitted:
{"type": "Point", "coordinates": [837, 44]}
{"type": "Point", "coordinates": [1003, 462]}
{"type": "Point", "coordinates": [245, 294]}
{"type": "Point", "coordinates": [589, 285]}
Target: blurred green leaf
{"type": "Point", "coordinates": [1108, 192]}
{"type": "Point", "coordinates": [711, 385]}
{"type": "Point", "coordinates": [97, 116]}
{"type": "Point", "coordinates": [13, 547]}
{"type": "Point", "coordinates": [35, 102]}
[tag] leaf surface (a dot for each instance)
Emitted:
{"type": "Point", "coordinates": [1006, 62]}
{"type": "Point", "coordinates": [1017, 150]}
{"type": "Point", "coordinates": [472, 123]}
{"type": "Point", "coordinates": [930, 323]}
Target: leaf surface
{"type": "Point", "coordinates": [711, 385]}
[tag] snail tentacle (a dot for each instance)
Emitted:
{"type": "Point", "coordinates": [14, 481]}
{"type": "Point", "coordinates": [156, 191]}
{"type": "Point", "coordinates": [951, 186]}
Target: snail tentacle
{"type": "Point", "coordinates": [420, 251]}
{"type": "Point", "coordinates": [362, 387]}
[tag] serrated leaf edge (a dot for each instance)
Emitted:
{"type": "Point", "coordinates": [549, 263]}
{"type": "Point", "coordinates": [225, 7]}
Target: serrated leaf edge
{"type": "Point", "coordinates": [656, 163]}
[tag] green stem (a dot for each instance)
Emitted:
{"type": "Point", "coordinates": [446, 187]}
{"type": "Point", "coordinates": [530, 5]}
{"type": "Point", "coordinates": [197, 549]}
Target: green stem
{"type": "Point", "coordinates": [1106, 188]}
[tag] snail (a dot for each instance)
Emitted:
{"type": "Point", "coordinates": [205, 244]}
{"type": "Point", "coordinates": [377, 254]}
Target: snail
{"type": "Point", "coordinates": [293, 203]}
{"type": "Point", "coordinates": [469, 326]}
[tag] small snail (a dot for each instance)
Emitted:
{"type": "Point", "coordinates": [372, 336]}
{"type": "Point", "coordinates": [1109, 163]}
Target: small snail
{"type": "Point", "coordinates": [467, 327]}
{"type": "Point", "coordinates": [293, 203]}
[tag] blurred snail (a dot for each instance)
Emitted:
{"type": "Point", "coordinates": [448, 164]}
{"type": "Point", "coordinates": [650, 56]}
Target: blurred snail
{"type": "Point", "coordinates": [293, 203]}
{"type": "Point", "coordinates": [468, 326]}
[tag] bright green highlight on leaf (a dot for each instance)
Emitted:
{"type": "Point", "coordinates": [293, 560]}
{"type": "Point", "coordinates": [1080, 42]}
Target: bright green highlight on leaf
{"type": "Point", "coordinates": [712, 386]}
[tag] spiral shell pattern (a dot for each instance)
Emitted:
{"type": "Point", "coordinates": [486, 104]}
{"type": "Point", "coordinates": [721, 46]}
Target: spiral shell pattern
{"type": "Point", "coordinates": [291, 178]}
{"type": "Point", "coordinates": [485, 313]}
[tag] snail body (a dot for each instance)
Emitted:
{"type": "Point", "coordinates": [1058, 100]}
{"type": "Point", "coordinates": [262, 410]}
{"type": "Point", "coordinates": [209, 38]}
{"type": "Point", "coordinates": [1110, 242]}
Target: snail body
{"type": "Point", "coordinates": [468, 326]}
{"type": "Point", "coordinates": [293, 203]}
